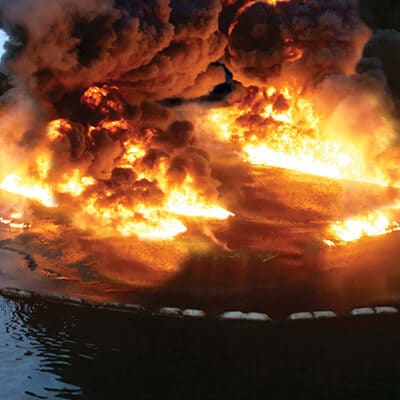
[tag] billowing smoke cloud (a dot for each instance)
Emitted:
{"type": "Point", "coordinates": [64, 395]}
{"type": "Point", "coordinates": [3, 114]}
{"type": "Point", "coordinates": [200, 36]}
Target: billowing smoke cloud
{"type": "Point", "coordinates": [315, 37]}
{"type": "Point", "coordinates": [381, 53]}
{"type": "Point", "coordinates": [384, 49]}
{"type": "Point", "coordinates": [155, 48]}
{"type": "Point", "coordinates": [96, 69]}
{"type": "Point", "coordinates": [101, 67]}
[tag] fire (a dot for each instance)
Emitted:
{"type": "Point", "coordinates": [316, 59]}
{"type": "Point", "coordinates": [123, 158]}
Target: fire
{"type": "Point", "coordinates": [275, 2]}
{"type": "Point", "coordinates": [297, 156]}
{"type": "Point", "coordinates": [132, 153]}
{"type": "Point", "coordinates": [376, 223]}
{"type": "Point", "coordinates": [280, 128]}
{"type": "Point", "coordinates": [29, 188]}
{"type": "Point", "coordinates": [56, 128]}
{"type": "Point", "coordinates": [138, 197]}
{"type": "Point", "coordinates": [147, 223]}
{"type": "Point", "coordinates": [152, 222]}
{"type": "Point", "coordinates": [98, 99]}
{"type": "Point", "coordinates": [187, 202]}
{"type": "Point", "coordinates": [94, 96]}
{"type": "Point", "coordinates": [74, 184]}
{"type": "Point", "coordinates": [246, 6]}
{"type": "Point", "coordinates": [14, 220]}
{"type": "Point", "coordinates": [274, 127]}
{"type": "Point", "coordinates": [32, 186]}
{"type": "Point", "coordinates": [114, 126]}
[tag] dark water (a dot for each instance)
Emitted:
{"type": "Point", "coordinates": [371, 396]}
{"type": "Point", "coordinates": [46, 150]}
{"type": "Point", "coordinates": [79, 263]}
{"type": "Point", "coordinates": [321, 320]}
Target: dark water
{"type": "Point", "coordinates": [52, 351]}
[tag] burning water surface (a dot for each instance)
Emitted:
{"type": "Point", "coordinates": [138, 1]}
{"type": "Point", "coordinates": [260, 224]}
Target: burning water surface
{"type": "Point", "coordinates": [104, 205]}
{"type": "Point", "coordinates": [281, 129]}
{"type": "Point", "coordinates": [274, 128]}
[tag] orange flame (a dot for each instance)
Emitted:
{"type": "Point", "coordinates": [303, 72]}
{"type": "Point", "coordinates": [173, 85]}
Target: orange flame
{"type": "Point", "coordinates": [283, 131]}
{"type": "Point", "coordinates": [184, 201]}
{"type": "Point", "coordinates": [375, 223]}
{"type": "Point", "coordinates": [32, 185]}
{"type": "Point", "coordinates": [147, 223]}
{"type": "Point", "coordinates": [74, 184]}
{"type": "Point", "coordinates": [94, 96]}
{"type": "Point", "coordinates": [114, 207]}
{"type": "Point", "coordinates": [56, 128]}
{"type": "Point", "coordinates": [246, 6]}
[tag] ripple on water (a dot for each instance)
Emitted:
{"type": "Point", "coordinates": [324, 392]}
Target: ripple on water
{"type": "Point", "coordinates": [29, 357]}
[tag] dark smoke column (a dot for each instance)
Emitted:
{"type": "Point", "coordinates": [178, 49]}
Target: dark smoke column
{"type": "Point", "coordinates": [312, 39]}
{"type": "Point", "coordinates": [153, 49]}
{"type": "Point", "coordinates": [382, 53]}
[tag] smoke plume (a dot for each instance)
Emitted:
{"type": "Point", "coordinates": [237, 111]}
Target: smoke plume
{"type": "Point", "coordinates": [83, 85]}
{"type": "Point", "coordinates": [153, 49]}
{"type": "Point", "coordinates": [315, 37]}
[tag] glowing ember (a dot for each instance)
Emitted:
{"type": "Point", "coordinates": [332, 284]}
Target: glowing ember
{"type": "Point", "coordinates": [376, 223]}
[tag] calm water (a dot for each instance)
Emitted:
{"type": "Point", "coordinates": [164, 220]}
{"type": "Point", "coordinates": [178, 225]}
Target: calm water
{"type": "Point", "coordinates": [53, 352]}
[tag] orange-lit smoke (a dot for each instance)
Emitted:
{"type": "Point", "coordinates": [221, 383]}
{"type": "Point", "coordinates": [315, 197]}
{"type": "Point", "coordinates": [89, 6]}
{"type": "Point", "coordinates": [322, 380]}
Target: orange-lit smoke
{"type": "Point", "coordinates": [135, 198]}
{"type": "Point", "coordinates": [281, 128]}
{"type": "Point", "coordinates": [121, 165]}
{"type": "Point", "coordinates": [246, 6]}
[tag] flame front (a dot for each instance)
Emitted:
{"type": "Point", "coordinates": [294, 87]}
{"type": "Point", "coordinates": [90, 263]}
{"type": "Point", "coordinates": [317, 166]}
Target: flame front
{"type": "Point", "coordinates": [280, 128]}
{"type": "Point", "coordinates": [74, 184]}
{"type": "Point", "coordinates": [32, 184]}
{"type": "Point", "coordinates": [134, 199]}
{"type": "Point", "coordinates": [376, 223]}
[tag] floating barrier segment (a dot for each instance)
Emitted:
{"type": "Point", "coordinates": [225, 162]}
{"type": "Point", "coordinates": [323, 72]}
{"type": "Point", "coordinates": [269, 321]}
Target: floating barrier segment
{"type": "Point", "coordinates": [13, 293]}
{"type": "Point", "coordinates": [175, 312]}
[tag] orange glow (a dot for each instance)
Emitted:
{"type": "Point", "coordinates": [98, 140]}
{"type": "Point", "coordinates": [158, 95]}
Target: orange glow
{"type": "Point", "coordinates": [283, 130]}
{"type": "Point", "coordinates": [114, 126]}
{"type": "Point", "coordinates": [132, 153]}
{"type": "Point", "coordinates": [147, 223]}
{"type": "Point", "coordinates": [152, 222]}
{"type": "Point", "coordinates": [32, 186]}
{"type": "Point", "coordinates": [246, 6]}
{"type": "Point", "coordinates": [94, 96]}
{"type": "Point", "coordinates": [375, 223]}
{"type": "Point", "coordinates": [184, 201]}
{"type": "Point", "coordinates": [135, 200]}
{"type": "Point", "coordinates": [29, 188]}
{"type": "Point", "coordinates": [74, 184]}
{"type": "Point", "coordinates": [56, 128]}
